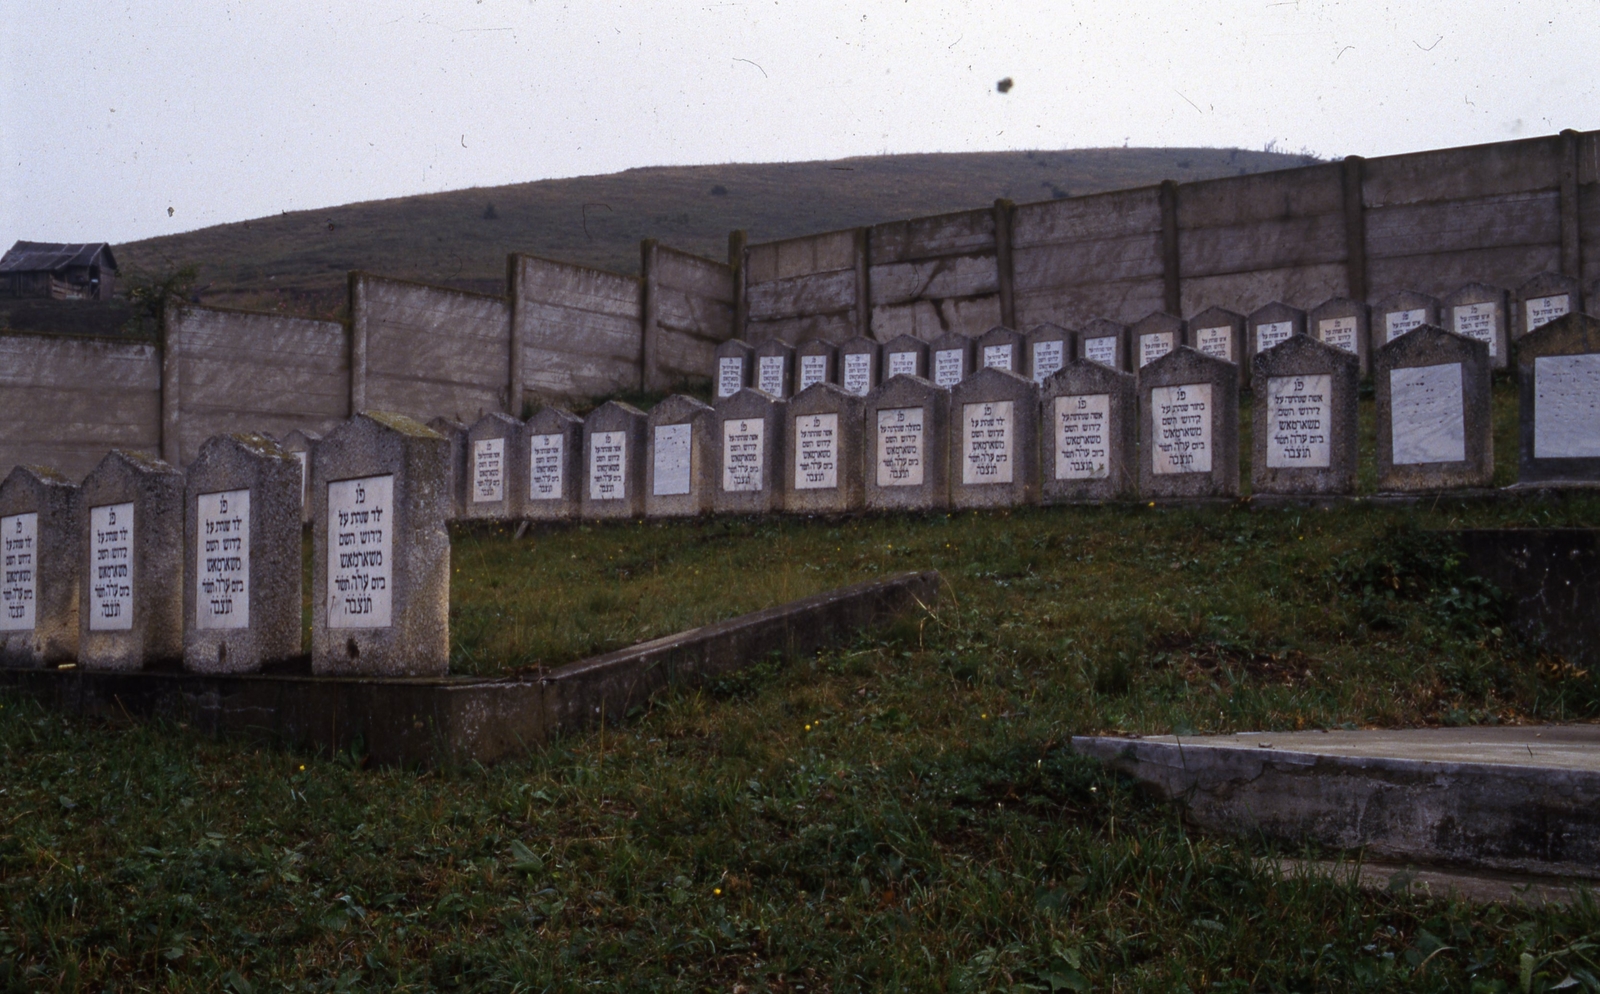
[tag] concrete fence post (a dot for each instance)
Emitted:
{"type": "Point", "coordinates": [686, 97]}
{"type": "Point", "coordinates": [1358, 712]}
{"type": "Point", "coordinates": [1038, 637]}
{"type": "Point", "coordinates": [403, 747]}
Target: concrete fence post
{"type": "Point", "coordinates": [738, 247]}
{"type": "Point", "coordinates": [1005, 213]}
{"type": "Point", "coordinates": [358, 343]}
{"type": "Point", "coordinates": [514, 382]}
{"type": "Point", "coordinates": [1171, 259]}
{"type": "Point", "coordinates": [1571, 232]}
{"type": "Point", "coordinates": [1354, 177]}
{"type": "Point", "coordinates": [171, 384]}
{"type": "Point", "coordinates": [649, 327]}
{"type": "Point", "coordinates": [863, 250]}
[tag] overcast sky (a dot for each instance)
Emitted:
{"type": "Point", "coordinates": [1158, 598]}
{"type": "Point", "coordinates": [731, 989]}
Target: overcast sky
{"type": "Point", "coordinates": [124, 120]}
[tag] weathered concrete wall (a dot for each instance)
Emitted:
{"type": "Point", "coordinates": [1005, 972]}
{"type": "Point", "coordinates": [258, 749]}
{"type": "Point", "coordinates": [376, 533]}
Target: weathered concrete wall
{"type": "Point", "coordinates": [1587, 184]}
{"type": "Point", "coordinates": [802, 289]}
{"type": "Point", "coordinates": [931, 275]}
{"type": "Point", "coordinates": [578, 330]}
{"type": "Point", "coordinates": [1083, 258]}
{"type": "Point", "coordinates": [690, 302]}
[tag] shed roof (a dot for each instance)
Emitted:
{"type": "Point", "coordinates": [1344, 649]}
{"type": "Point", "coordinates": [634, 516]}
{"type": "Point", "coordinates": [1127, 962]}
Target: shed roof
{"type": "Point", "coordinates": [41, 257]}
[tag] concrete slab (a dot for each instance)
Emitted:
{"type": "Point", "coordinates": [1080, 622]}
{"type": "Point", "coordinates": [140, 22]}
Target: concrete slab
{"type": "Point", "coordinates": [1475, 886]}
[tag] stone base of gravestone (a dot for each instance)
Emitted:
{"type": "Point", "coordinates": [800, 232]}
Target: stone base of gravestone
{"type": "Point", "coordinates": [241, 571]}
{"type": "Point", "coordinates": [680, 458]}
{"type": "Point", "coordinates": [1433, 412]}
{"type": "Point", "coordinates": [1087, 433]}
{"type": "Point", "coordinates": [994, 440]}
{"type": "Point", "coordinates": [131, 563]}
{"type": "Point", "coordinates": [823, 471]}
{"type": "Point", "coordinates": [496, 469]}
{"type": "Point", "coordinates": [41, 524]}
{"type": "Point", "coordinates": [613, 462]}
{"type": "Point", "coordinates": [906, 435]}
{"type": "Point", "coordinates": [554, 441]}
{"type": "Point", "coordinates": [380, 589]}
{"type": "Point", "coordinates": [1558, 372]}
{"type": "Point", "coordinates": [1189, 427]}
{"type": "Point", "coordinates": [748, 439]}
{"type": "Point", "coordinates": [1303, 437]}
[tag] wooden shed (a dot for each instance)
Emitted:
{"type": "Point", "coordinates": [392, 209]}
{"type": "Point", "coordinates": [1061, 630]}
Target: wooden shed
{"type": "Point", "coordinates": [58, 272]}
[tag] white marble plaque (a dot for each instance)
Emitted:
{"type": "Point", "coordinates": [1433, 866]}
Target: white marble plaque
{"type": "Point", "coordinates": [672, 457]}
{"type": "Point", "coordinates": [902, 363]}
{"type": "Point", "coordinates": [730, 375]}
{"type": "Point", "coordinates": [1566, 406]}
{"type": "Point", "coordinates": [222, 560]}
{"type": "Point", "coordinates": [361, 552]}
{"type": "Point", "coordinates": [110, 579]}
{"type": "Point", "coordinates": [1048, 358]}
{"type": "Point", "coordinates": [1427, 420]}
{"type": "Point", "coordinates": [947, 367]}
{"type": "Point", "coordinates": [769, 374]}
{"type": "Point", "coordinates": [19, 541]}
{"type": "Point", "coordinates": [608, 465]}
{"type": "Point", "coordinates": [304, 459]}
{"type": "Point", "coordinates": [986, 442]}
{"type": "Point", "coordinates": [1000, 356]}
{"type": "Point", "coordinates": [1153, 346]}
{"type": "Point", "coordinates": [1339, 332]}
{"type": "Point", "coordinates": [813, 369]}
{"type": "Point", "coordinates": [1298, 411]}
{"type": "Point", "coordinates": [900, 447]}
{"type": "Point", "coordinates": [1083, 447]}
{"type": "Point", "coordinates": [1397, 323]}
{"type": "Point", "coordinates": [1180, 424]}
{"type": "Point", "coordinates": [857, 373]}
{"type": "Point", "coordinates": [488, 470]}
{"type": "Point", "coordinates": [1271, 333]}
{"type": "Point", "coordinates": [1217, 342]}
{"type": "Point", "coordinates": [1543, 310]}
{"type": "Point", "coordinates": [816, 454]}
{"type": "Point", "coordinates": [743, 449]}
{"type": "Point", "coordinates": [1477, 321]}
{"type": "Point", "coordinates": [545, 466]}
{"type": "Point", "coordinates": [1101, 350]}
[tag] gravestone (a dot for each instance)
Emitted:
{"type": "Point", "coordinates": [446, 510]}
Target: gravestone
{"type": "Point", "coordinates": [1397, 313]}
{"type": "Point", "coordinates": [300, 444]}
{"type": "Point", "coordinates": [497, 448]}
{"type": "Point", "coordinates": [613, 462]}
{"type": "Point", "coordinates": [994, 440]}
{"type": "Point", "coordinates": [906, 437]}
{"type": "Point", "coordinates": [1087, 433]}
{"type": "Point", "coordinates": [775, 368]}
{"type": "Point", "coordinates": [1048, 347]}
{"type": "Point", "coordinates": [1000, 348]}
{"type": "Point", "coordinates": [1433, 412]}
{"type": "Point", "coordinates": [824, 467]}
{"type": "Point", "coordinates": [1189, 426]}
{"type": "Point", "coordinates": [456, 434]}
{"type": "Point", "coordinates": [1303, 437]}
{"type": "Point", "coordinates": [1267, 326]}
{"type": "Point", "coordinates": [41, 524]}
{"type": "Point", "coordinates": [1219, 333]}
{"type": "Point", "coordinates": [735, 363]}
{"type": "Point", "coordinates": [1558, 371]}
{"type": "Point", "coordinates": [1541, 300]}
{"type": "Point", "coordinates": [555, 465]}
{"type": "Point", "coordinates": [680, 458]}
{"type": "Point", "coordinates": [1106, 342]}
{"type": "Point", "coordinates": [1478, 311]}
{"type": "Point", "coordinates": [859, 366]}
{"type": "Point", "coordinates": [130, 560]}
{"type": "Point", "coordinates": [1344, 324]}
{"type": "Point", "coordinates": [380, 582]}
{"type": "Point", "coordinates": [241, 573]}
{"type": "Point", "coordinates": [1154, 335]}
{"type": "Point", "coordinates": [750, 451]}
{"type": "Point", "coordinates": [950, 355]}
{"type": "Point", "coordinates": [905, 355]}
{"type": "Point", "coordinates": [815, 361]}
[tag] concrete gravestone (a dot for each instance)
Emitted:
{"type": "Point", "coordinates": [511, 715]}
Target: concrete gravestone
{"type": "Point", "coordinates": [1398, 313]}
{"type": "Point", "coordinates": [1269, 325]}
{"type": "Point", "coordinates": [1154, 335]}
{"type": "Point", "coordinates": [1048, 348]}
{"type": "Point", "coordinates": [994, 440]}
{"type": "Point", "coordinates": [613, 461]}
{"type": "Point", "coordinates": [241, 576]}
{"type": "Point", "coordinates": [1304, 419]}
{"type": "Point", "coordinates": [1105, 342]}
{"type": "Point", "coordinates": [906, 432]}
{"type": "Point", "coordinates": [734, 362]}
{"type": "Point", "coordinates": [1000, 348]}
{"type": "Point", "coordinates": [1086, 418]}
{"type": "Point", "coordinates": [41, 524]}
{"type": "Point", "coordinates": [380, 550]}
{"type": "Point", "coordinates": [1478, 311]}
{"type": "Point", "coordinates": [497, 446]}
{"type": "Point", "coordinates": [1558, 371]}
{"type": "Point", "coordinates": [1344, 324]}
{"type": "Point", "coordinates": [456, 434]}
{"type": "Point", "coordinates": [775, 368]}
{"type": "Point", "coordinates": [825, 460]}
{"type": "Point", "coordinates": [680, 458]}
{"type": "Point", "coordinates": [1189, 428]}
{"type": "Point", "coordinates": [905, 355]}
{"type": "Point", "coordinates": [300, 444]}
{"type": "Point", "coordinates": [858, 366]}
{"type": "Point", "coordinates": [554, 439]}
{"type": "Point", "coordinates": [749, 445]}
{"type": "Point", "coordinates": [1433, 411]}
{"type": "Point", "coordinates": [815, 361]}
{"type": "Point", "coordinates": [951, 358]}
{"type": "Point", "coordinates": [1219, 333]}
{"type": "Point", "coordinates": [1541, 300]}
{"type": "Point", "coordinates": [130, 611]}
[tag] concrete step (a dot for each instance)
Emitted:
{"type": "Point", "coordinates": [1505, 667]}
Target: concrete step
{"type": "Point", "coordinates": [1476, 886]}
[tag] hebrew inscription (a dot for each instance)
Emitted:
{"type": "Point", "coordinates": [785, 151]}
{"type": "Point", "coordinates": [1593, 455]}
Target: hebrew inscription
{"type": "Point", "coordinates": [19, 540]}
{"type": "Point", "coordinates": [1297, 422]}
{"type": "Point", "coordinates": [1082, 437]}
{"type": "Point", "coordinates": [1180, 423]}
{"type": "Point", "coordinates": [361, 552]}
{"type": "Point", "coordinates": [222, 560]}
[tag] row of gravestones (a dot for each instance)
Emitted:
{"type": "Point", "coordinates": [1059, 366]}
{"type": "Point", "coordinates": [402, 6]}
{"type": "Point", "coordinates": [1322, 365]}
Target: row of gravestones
{"type": "Point", "coordinates": [1476, 311]}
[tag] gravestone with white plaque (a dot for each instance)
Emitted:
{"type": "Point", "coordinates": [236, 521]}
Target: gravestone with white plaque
{"type": "Point", "coordinates": [554, 440]}
{"type": "Point", "coordinates": [905, 435]}
{"type": "Point", "coordinates": [380, 552]}
{"type": "Point", "coordinates": [680, 458]}
{"type": "Point", "coordinates": [455, 432]}
{"type": "Point", "coordinates": [1048, 347]}
{"type": "Point", "coordinates": [1087, 434]}
{"type": "Point", "coordinates": [1478, 311]}
{"type": "Point", "coordinates": [1344, 324]}
{"type": "Point", "coordinates": [41, 524]}
{"type": "Point", "coordinates": [1303, 419]}
{"type": "Point", "coordinates": [241, 567]}
{"type": "Point", "coordinates": [905, 355]}
{"type": "Point", "coordinates": [735, 366]}
{"type": "Point", "coordinates": [816, 361]}
{"type": "Point", "coordinates": [614, 438]}
{"type": "Point", "coordinates": [1000, 348]}
{"type": "Point", "coordinates": [1434, 429]}
{"type": "Point", "coordinates": [859, 366]}
{"type": "Point", "coordinates": [130, 562]}
{"type": "Point", "coordinates": [1219, 333]}
{"type": "Point", "coordinates": [1267, 326]}
{"type": "Point", "coordinates": [1154, 335]}
{"type": "Point", "coordinates": [1189, 426]}
{"type": "Point", "coordinates": [748, 441]}
{"type": "Point", "coordinates": [994, 440]}
{"type": "Point", "coordinates": [300, 444]}
{"type": "Point", "coordinates": [1558, 371]}
{"type": "Point", "coordinates": [949, 359]}
{"type": "Point", "coordinates": [1108, 343]}
{"type": "Point", "coordinates": [824, 465]}
{"type": "Point", "coordinates": [1396, 313]}
{"type": "Point", "coordinates": [497, 448]}
{"type": "Point", "coordinates": [775, 368]}
{"type": "Point", "coordinates": [1541, 300]}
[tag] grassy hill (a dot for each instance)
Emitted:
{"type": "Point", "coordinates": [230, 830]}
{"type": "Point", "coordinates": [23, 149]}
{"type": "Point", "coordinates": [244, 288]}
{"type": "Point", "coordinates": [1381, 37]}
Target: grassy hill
{"type": "Point", "coordinates": [297, 261]}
